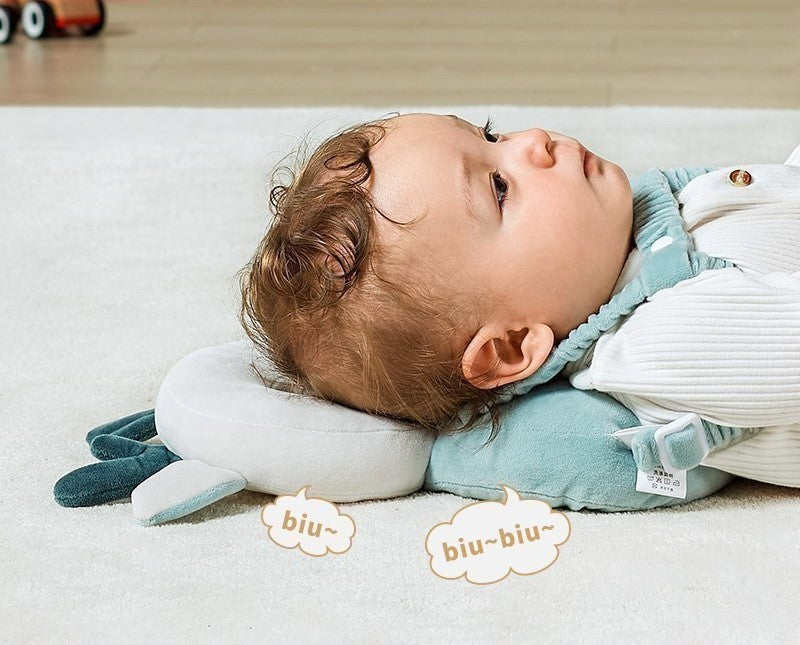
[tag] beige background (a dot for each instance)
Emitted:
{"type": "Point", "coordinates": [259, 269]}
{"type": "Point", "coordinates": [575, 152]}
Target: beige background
{"type": "Point", "coordinates": [742, 53]}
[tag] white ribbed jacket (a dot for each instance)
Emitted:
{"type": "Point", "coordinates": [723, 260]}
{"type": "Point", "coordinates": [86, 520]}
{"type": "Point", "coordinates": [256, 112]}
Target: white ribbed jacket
{"type": "Point", "coordinates": [726, 343]}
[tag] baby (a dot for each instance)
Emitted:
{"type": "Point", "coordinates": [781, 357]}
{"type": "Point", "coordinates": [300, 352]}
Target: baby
{"type": "Point", "coordinates": [397, 275]}
{"type": "Point", "coordinates": [418, 264]}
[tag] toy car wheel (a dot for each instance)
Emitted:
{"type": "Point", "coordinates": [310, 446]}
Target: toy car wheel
{"type": "Point", "coordinates": [95, 29]}
{"type": "Point", "coordinates": [38, 20]}
{"type": "Point", "coordinates": [8, 24]}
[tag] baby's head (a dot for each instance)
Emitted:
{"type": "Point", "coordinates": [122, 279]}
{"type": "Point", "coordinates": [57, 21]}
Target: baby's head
{"type": "Point", "coordinates": [416, 264]}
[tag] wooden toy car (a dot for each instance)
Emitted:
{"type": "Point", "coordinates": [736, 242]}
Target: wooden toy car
{"type": "Point", "coordinates": [9, 17]}
{"type": "Point", "coordinates": [43, 18]}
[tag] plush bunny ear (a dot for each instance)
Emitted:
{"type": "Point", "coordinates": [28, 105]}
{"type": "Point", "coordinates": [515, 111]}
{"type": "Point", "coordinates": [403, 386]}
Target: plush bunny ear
{"type": "Point", "coordinates": [182, 488]}
{"type": "Point", "coordinates": [125, 464]}
{"type": "Point", "coordinates": [140, 426]}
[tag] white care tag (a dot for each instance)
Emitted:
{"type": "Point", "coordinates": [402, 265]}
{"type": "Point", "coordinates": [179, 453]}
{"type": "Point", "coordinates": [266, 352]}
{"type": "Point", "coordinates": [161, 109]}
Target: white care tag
{"type": "Point", "coordinates": [671, 483]}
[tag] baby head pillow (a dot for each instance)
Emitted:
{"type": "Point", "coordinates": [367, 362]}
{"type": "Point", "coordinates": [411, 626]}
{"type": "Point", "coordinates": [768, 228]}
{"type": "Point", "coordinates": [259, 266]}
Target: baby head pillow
{"type": "Point", "coordinates": [554, 443]}
{"type": "Point", "coordinates": [213, 407]}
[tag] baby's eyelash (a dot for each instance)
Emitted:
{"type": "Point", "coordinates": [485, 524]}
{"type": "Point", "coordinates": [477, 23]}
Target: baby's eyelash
{"type": "Point", "coordinates": [496, 176]}
{"type": "Point", "coordinates": [487, 129]}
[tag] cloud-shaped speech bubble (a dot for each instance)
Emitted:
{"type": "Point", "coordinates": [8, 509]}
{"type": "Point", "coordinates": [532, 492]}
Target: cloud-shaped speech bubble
{"type": "Point", "coordinates": [312, 523]}
{"type": "Point", "coordinates": [485, 541]}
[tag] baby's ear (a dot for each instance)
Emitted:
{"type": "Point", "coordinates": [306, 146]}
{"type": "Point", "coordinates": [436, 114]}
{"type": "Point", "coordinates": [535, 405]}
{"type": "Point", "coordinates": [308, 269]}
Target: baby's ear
{"type": "Point", "coordinates": [493, 358]}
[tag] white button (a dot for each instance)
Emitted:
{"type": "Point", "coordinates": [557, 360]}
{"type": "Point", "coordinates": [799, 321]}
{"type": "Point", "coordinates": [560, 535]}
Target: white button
{"type": "Point", "coordinates": [660, 243]}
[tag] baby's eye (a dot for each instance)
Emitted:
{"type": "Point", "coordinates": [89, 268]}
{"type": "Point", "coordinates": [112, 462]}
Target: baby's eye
{"type": "Point", "coordinates": [500, 185]}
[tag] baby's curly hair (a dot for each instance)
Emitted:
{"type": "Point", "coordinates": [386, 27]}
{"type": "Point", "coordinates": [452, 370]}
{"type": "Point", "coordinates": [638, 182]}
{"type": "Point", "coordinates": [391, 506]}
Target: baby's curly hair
{"type": "Point", "coordinates": [315, 302]}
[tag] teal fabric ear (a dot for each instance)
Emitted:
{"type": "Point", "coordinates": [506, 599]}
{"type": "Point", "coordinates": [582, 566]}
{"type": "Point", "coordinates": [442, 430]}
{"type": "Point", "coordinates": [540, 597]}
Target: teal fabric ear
{"type": "Point", "coordinates": [125, 462]}
{"type": "Point", "coordinates": [555, 444]}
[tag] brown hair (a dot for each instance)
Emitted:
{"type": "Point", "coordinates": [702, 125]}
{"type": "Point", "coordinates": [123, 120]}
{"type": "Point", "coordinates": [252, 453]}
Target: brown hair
{"type": "Point", "coordinates": [315, 303]}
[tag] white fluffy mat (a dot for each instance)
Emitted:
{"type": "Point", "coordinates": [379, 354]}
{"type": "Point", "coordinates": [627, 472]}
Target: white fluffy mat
{"type": "Point", "coordinates": [122, 229]}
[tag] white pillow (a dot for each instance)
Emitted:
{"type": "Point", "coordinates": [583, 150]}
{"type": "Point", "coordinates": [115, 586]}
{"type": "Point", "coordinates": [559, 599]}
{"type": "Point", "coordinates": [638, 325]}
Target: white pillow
{"type": "Point", "coordinates": [213, 407]}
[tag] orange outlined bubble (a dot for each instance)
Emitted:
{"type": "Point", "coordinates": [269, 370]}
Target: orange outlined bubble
{"type": "Point", "coordinates": [311, 523]}
{"type": "Point", "coordinates": [485, 541]}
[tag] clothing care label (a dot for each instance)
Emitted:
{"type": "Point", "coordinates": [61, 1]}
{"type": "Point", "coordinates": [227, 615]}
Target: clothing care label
{"type": "Point", "coordinates": [671, 483]}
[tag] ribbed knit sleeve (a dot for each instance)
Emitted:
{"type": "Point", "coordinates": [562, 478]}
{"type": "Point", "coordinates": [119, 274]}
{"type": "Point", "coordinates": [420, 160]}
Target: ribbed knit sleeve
{"type": "Point", "coordinates": [772, 456]}
{"type": "Point", "coordinates": [724, 344]}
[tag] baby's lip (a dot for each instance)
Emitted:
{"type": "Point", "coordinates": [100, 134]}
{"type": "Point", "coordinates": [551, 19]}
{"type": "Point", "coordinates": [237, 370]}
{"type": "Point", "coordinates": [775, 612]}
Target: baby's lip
{"type": "Point", "coordinates": [586, 158]}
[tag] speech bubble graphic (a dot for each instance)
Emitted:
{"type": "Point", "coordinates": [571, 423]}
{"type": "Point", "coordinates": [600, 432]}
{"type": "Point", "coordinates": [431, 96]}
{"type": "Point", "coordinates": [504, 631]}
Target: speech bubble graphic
{"type": "Point", "coordinates": [486, 541]}
{"type": "Point", "coordinates": [312, 523]}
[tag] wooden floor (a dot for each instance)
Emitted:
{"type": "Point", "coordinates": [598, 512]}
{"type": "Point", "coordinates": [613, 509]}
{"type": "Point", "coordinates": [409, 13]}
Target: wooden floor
{"type": "Point", "coordinates": [417, 52]}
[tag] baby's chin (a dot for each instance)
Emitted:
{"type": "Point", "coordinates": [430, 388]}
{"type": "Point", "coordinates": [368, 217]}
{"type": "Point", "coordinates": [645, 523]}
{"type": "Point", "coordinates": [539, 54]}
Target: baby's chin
{"type": "Point", "coordinates": [610, 166]}
{"type": "Point", "coordinates": [616, 175]}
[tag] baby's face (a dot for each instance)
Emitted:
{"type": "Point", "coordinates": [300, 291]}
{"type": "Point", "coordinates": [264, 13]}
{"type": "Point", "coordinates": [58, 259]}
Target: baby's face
{"type": "Point", "coordinates": [514, 212]}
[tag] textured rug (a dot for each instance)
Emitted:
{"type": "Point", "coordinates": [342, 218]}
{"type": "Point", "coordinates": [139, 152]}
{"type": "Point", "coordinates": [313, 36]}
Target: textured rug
{"type": "Point", "coordinates": [122, 229]}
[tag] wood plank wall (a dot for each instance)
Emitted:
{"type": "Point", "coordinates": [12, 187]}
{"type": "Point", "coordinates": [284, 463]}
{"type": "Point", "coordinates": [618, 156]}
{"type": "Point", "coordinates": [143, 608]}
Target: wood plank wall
{"type": "Point", "coordinates": [743, 53]}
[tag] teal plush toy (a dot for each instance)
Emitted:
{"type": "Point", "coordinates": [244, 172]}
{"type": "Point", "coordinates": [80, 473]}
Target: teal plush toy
{"type": "Point", "coordinates": [223, 431]}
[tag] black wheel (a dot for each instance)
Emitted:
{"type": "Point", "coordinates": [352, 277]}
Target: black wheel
{"type": "Point", "coordinates": [8, 24]}
{"type": "Point", "coordinates": [93, 30]}
{"type": "Point", "coordinates": [38, 20]}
